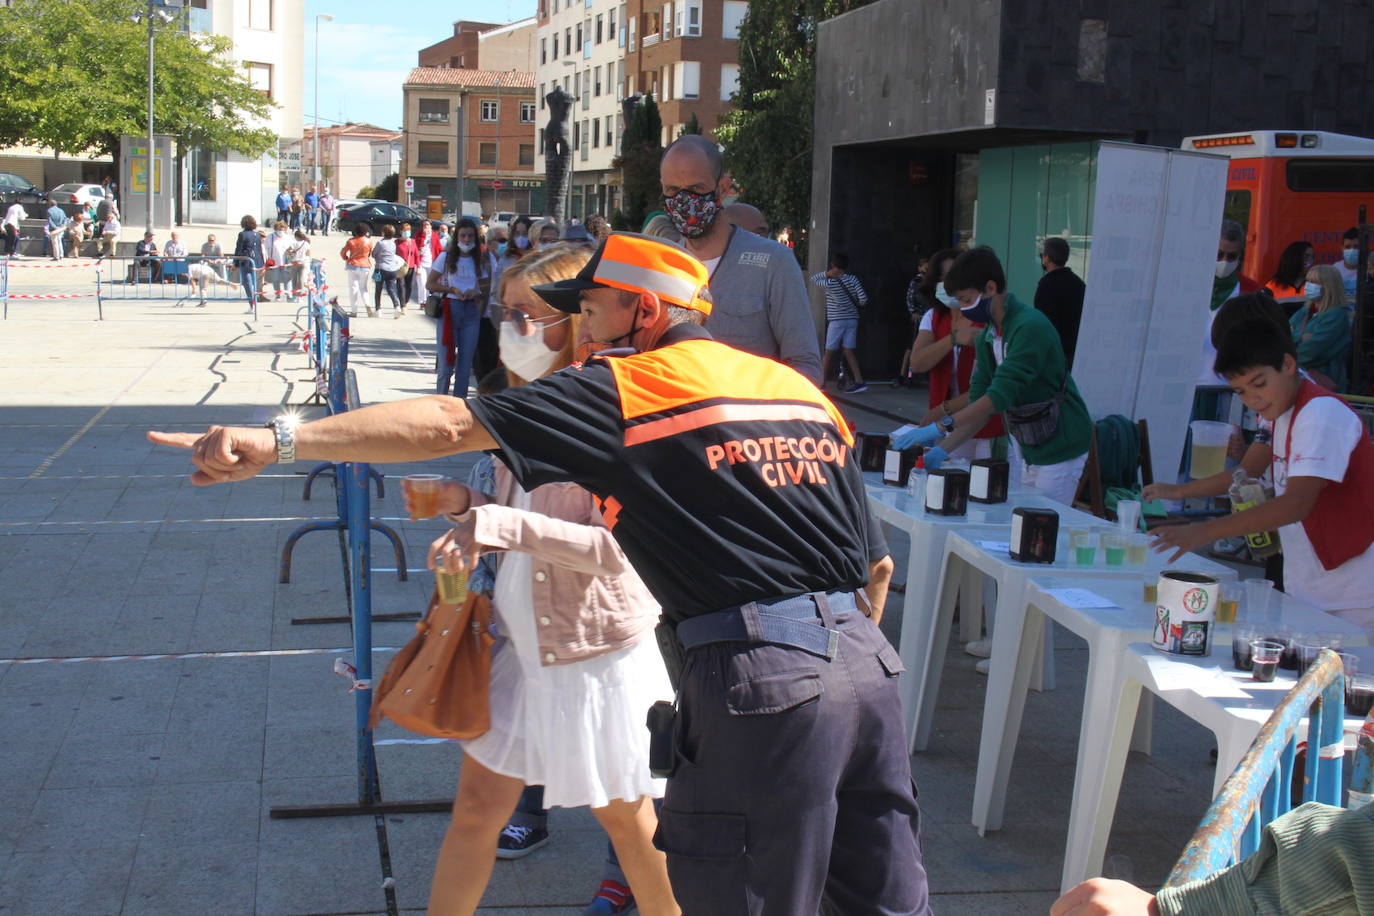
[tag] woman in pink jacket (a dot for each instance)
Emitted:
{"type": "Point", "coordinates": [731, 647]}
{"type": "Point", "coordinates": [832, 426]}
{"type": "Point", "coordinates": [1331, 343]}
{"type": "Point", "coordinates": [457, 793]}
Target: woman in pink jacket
{"type": "Point", "coordinates": [574, 677]}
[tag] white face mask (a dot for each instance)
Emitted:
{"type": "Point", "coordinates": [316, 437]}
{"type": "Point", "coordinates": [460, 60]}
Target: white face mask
{"type": "Point", "coordinates": [1226, 268]}
{"type": "Point", "coordinates": [527, 356]}
{"type": "Point", "coordinates": [522, 242]}
{"type": "Point", "coordinates": [465, 248]}
{"type": "Point", "coordinates": [945, 298]}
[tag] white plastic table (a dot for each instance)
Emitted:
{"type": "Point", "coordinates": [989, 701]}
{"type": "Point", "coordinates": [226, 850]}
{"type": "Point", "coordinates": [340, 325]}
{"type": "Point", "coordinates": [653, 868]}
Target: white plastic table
{"type": "Point", "coordinates": [963, 553]}
{"type": "Point", "coordinates": [927, 532]}
{"type": "Point", "coordinates": [1229, 703]}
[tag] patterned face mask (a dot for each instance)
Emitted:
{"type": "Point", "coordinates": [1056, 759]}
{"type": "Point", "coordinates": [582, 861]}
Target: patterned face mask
{"type": "Point", "coordinates": [692, 213]}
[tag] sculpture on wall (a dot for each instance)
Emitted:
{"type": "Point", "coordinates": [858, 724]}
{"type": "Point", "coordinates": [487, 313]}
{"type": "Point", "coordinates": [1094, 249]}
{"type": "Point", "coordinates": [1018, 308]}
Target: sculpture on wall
{"type": "Point", "coordinates": [557, 152]}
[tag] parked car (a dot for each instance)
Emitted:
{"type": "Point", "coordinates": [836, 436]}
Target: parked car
{"type": "Point", "coordinates": [502, 219]}
{"type": "Point", "coordinates": [374, 215]}
{"type": "Point", "coordinates": [18, 188]}
{"type": "Point", "coordinates": [74, 192]}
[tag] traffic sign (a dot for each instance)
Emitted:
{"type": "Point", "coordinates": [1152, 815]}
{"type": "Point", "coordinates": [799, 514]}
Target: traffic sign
{"type": "Point", "coordinates": [410, 185]}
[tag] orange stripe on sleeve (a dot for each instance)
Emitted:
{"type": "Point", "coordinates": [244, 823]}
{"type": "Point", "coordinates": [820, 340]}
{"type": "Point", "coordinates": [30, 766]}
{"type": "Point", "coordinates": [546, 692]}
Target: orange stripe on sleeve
{"type": "Point", "coordinates": [723, 413]}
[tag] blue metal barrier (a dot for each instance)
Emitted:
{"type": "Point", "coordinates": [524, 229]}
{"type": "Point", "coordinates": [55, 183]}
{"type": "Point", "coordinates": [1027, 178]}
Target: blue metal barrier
{"type": "Point", "coordinates": [1259, 789]}
{"type": "Point", "coordinates": [5, 287]}
{"type": "Point", "coordinates": [334, 356]}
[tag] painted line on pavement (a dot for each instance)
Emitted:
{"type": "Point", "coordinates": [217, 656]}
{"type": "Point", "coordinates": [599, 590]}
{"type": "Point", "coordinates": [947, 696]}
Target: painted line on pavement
{"type": "Point", "coordinates": [48, 461]}
{"type": "Point", "coordinates": [244, 653]}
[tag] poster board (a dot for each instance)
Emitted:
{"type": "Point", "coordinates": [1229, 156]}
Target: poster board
{"type": "Point", "coordinates": [1156, 216]}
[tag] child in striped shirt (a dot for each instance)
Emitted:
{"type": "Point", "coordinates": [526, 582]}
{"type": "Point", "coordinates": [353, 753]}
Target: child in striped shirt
{"type": "Point", "coordinates": [844, 296]}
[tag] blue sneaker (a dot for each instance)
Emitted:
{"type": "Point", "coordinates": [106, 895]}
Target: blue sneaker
{"type": "Point", "coordinates": [612, 899]}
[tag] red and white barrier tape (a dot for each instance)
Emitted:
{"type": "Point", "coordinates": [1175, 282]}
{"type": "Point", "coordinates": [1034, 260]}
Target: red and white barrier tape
{"type": "Point", "coordinates": [49, 295]}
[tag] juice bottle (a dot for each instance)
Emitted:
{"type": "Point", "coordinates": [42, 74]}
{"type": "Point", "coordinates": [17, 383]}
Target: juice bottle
{"type": "Point", "coordinates": [1247, 493]}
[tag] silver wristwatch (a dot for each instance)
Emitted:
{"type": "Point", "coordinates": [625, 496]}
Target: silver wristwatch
{"type": "Point", "coordinates": [284, 428]}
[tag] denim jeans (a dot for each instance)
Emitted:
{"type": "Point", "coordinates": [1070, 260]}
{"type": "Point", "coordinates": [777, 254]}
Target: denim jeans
{"type": "Point", "coordinates": [249, 278]}
{"type": "Point", "coordinates": [466, 318]}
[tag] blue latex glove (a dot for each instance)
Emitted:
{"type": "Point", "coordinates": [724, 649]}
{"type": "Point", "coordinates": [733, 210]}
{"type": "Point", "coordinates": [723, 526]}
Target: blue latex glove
{"type": "Point", "coordinates": [922, 435]}
{"type": "Point", "coordinates": [934, 457]}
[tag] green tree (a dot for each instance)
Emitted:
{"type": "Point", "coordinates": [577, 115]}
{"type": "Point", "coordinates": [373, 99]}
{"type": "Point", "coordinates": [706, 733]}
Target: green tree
{"type": "Point", "coordinates": [768, 133]}
{"type": "Point", "coordinates": [76, 75]}
{"type": "Point", "coordinates": [693, 126]}
{"type": "Point", "coordinates": [388, 188]}
{"type": "Point", "coordinates": [640, 149]}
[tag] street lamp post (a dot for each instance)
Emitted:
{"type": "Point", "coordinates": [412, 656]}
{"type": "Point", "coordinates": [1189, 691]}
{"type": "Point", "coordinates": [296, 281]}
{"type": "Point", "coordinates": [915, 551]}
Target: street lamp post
{"type": "Point", "coordinates": [327, 18]}
{"type": "Point", "coordinates": [166, 10]}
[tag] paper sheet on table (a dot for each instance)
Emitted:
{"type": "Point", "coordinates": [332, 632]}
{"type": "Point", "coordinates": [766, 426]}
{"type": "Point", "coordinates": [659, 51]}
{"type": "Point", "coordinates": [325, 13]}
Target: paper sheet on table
{"type": "Point", "coordinates": [996, 546]}
{"type": "Point", "coordinates": [1209, 680]}
{"type": "Point", "coordinates": [1080, 598]}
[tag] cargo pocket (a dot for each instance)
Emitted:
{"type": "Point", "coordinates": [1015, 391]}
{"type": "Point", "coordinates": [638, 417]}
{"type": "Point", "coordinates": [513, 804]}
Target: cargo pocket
{"type": "Point", "coordinates": [774, 692]}
{"type": "Point", "coordinates": [891, 661]}
{"type": "Point", "coordinates": [706, 855]}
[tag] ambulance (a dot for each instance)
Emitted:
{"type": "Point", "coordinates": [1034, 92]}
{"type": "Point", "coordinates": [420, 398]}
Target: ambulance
{"type": "Point", "coordinates": [1290, 185]}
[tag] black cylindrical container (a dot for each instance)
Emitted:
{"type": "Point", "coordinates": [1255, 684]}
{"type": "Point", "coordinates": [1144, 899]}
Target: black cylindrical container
{"type": "Point", "coordinates": [989, 480]}
{"type": "Point", "coordinates": [1033, 535]}
{"type": "Point", "coordinates": [871, 448]}
{"type": "Point", "coordinates": [947, 491]}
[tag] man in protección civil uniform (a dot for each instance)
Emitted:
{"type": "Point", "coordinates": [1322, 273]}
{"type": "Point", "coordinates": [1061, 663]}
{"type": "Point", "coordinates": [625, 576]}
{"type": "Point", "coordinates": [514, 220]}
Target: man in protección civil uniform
{"type": "Point", "coordinates": [729, 481]}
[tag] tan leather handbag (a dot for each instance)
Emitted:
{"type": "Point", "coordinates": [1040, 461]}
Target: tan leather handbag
{"type": "Point", "coordinates": [439, 684]}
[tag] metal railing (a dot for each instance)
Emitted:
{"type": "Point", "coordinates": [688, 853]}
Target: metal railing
{"type": "Point", "coordinates": [1259, 790]}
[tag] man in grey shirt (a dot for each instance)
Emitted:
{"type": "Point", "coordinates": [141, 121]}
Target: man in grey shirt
{"type": "Point", "coordinates": [761, 305]}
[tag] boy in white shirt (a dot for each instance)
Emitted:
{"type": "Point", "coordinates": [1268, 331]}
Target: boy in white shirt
{"type": "Point", "coordinates": [1323, 470]}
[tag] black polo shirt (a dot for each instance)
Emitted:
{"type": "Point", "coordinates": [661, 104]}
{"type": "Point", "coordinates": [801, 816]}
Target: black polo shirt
{"type": "Point", "coordinates": [725, 477]}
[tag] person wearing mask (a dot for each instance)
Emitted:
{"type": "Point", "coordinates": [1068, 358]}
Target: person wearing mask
{"type": "Point", "coordinates": [1228, 283]}
{"type": "Point", "coordinates": [917, 305]}
{"type": "Point", "coordinates": [14, 219]}
{"type": "Point", "coordinates": [463, 274]}
{"type": "Point", "coordinates": [284, 204]}
{"type": "Point", "coordinates": [844, 296]}
{"type": "Point", "coordinates": [760, 294]}
{"type": "Point", "coordinates": [1019, 370]}
{"type": "Point", "coordinates": [388, 264]}
{"type": "Point", "coordinates": [326, 212]}
{"type": "Point", "coordinates": [519, 238]}
{"type": "Point", "coordinates": [791, 787]}
{"type": "Point", "coordinates": [1059, 294]}
{"type": "Point", "coordinates": [298, 262]}
{"type": "Point", "coordinates": [278, 273]}
{"type": "Point", "coordinates": [428, 248]}
{"type": "Point", "coordinates": [445, 236]}
{"type": "Point", "coordinates": [409, 252]}
{"type": "Point", "coordinates": [1286, 286]}
{"type": "Point", "coordinates": [1349, 264]}
{"type": "Point", "coordinates": [56, 229]}
{"type": "Point", "coordinates": [1322, 329]}
{"type": "Point", "coordinates": [578, 665]}
{"type": "Point", "coordinates": [357, 258]}
{"type": "Point", "coordinates": [248, 257]}
{"type": "Point", "coordinates": [312, 205]}
{"type": "Point", "coordinates": [146, 255]}
{"type": "Point", "coordinates": [543, 233]}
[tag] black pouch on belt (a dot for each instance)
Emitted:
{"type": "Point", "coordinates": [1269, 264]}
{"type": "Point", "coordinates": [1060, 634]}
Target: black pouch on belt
{"type": "Point", "coordinates": [662, 737]}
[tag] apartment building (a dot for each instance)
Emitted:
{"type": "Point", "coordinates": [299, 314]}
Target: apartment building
{"type": "Point", "coordinates": [484, 46]}
{"type": "Point", "coordinates": [352, 156]}
{"type": "Point", "coordinates": [470, 136]}
{"type": "Point", "coordinates": [582, 48]}
{"type": "Point", "coordinates": [268, 37]}
{"type": "Point", "coordinates": [686, 54]}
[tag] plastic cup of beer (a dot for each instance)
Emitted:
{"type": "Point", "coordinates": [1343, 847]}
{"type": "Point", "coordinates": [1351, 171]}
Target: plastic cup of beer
{"type": "Point", "coordinates": [1230, 602]}
{"type": "Point", "coordinates": [422, 493]}
{"type": "Point", "coordinates": [1084, 547]}
{"type": "Point", "coordinates": [1128, 515]}
{"type": "Point", "coordinates": [453, 587]}
{"type": "Point", "coordinates": [1149, 590]}
{"type": "Point", "coordinates": [1264, 659]}
{"type": "Point", "coordinates": [1210, 442]}
{"type": "Point", "coordinates": [1259, 602]}
{"type": "Point", "coordinates": [1137, 549]}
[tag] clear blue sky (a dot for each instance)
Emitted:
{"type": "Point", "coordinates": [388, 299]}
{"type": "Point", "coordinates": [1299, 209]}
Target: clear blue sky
{"type": "Point", "coordinates": [366, 52]}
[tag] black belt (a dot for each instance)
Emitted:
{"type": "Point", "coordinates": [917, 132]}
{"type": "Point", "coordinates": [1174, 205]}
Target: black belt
{"type": "Point", "coordinates": [795, 622]}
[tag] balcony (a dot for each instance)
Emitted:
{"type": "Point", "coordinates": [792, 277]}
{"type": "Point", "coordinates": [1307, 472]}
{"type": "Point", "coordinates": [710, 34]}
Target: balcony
{"type": "Point", "coordinates": [651, 40]}
{"type": "Point", "coordinates": [432, 118]}
{"type": "Point", "coordinates": [199, 21]}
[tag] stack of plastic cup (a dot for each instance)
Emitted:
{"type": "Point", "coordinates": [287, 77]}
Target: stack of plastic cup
{"type": "Point", "coordinates": [1128, 515]}
{"type": "Point", "coordinates": [1260, 608]}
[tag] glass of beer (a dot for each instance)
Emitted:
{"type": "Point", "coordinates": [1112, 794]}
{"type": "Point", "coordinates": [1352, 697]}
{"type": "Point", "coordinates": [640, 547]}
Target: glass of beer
{"type": "Point", "coordinates": [1230, 602]}
{"type": "Point", "coordinates": [1138, 549]}
{"type": "Point", "coordinates": [422, 492]}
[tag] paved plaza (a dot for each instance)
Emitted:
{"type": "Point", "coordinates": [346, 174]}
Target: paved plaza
{"type": "Point", "coordinates": [142, 786]}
